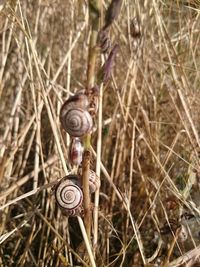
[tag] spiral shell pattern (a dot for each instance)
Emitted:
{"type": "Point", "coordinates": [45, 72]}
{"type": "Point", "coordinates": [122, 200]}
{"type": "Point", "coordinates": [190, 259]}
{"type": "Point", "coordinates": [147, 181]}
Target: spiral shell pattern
{"type": "Point", "coordinates": [74, 117]}
{"type": "Point", "coordinates": [69, 195]}
{"type": "Point", "coordinates": [94, 180]}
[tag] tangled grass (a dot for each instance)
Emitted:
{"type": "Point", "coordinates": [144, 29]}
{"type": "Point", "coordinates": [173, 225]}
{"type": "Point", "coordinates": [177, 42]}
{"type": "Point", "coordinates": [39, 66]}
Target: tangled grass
{"type": "Point", "coordinates": [148, 213]}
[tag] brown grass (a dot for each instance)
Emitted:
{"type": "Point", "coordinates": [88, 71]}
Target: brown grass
{"type": "Point", "coordinates": [145, 149]}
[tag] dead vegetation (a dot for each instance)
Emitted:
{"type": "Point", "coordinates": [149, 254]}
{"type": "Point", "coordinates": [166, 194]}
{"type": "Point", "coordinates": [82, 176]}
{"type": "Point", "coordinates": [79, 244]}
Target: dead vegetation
{"type": "Point", "coordinates": [148, 213]}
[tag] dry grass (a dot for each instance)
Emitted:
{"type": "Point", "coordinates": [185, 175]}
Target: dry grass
{"type": "Point", "coordinates": [148, 149]}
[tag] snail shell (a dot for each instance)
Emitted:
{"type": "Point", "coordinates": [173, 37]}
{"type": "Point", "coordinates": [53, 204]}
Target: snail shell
{"type": "Point", "coordinates": [182, 233]}
{"type": "Point", "coordinates": [69, 196]}
{"type": "Point", "coordinates": [74, 117]}
{"type": "Point", "coordinates": [135, 28]}
{"type": "Point", "coordinates": [94, 180]}
{"type": "Point", "coordinates": [93, 96]}
{"type": "Point", "coordinates": [75, 151]}
{"type": "Point", "coordinates": [103, 41]}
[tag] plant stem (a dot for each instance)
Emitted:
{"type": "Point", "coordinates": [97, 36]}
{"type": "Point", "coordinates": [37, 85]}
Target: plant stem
{"type": "Point", "coordinates": [87, 242]}
{"type": "Point", "coordinates": [86, 191]}
{"type": "Point", "coordinates": [98, 168]}
{"type": "Point", "coordinates": [94, 22]}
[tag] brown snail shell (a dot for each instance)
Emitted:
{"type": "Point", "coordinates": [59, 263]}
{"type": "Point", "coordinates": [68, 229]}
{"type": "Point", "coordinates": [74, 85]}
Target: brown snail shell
{"type": "Point", "coordinates": [75, 151]}
{"type": "Point", "coordinates": [74, 117]}
{"type": "Point", "coordinates": [103, 41]}
{"type": "Point", "coordinates": [69, 196]}
{"type": "Point", "coordinates": [93, 96]}
{"type": "Point", "coordinates": [135, 30]}
{"type": "Point", "coordinates": [182, 233]}
{"type": "Point", "coordinates": [94, 180]}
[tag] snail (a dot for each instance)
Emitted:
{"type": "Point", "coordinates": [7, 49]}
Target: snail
{"type": "Point", "coordinates": [74, 116]}
{"type": "Point", "coordinates": [137, 37]}
{"type": "Point", "coordinates": [103, 41]}
{"type": "Point", "coordinates": [75, 151]}
{"type": "Point", "coordinates": [182, 233]}
{"type": "Point", "coordinates": [69, 196]}
{"type": "Point", "coordinates": [93, 96]}
{"type": "Point", "coordinates": [135, 30]}
{"type": "Point", "coordinates": [94, 180]}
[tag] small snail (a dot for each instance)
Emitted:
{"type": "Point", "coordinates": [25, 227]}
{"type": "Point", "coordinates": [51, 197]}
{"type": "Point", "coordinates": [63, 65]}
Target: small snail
{"type": "Point", "coordinates": [75, 151]}
{"type": "Point", "coordinates": [137, 38]}
{"type": "Point", "coordinates": [93, 96]}
{"type": "Point", "coordinates": [103, 41]}
{"type": "Point", "coordinates": [74, 117]}
{"type": "Point", "coordinates": [94, 180]}
{"type": "Point", "coordinates": [135, 30]}
{"type": "Point", "coordinates": [69, 196]}
{"type": "Point", "coordinates": [182, 233]}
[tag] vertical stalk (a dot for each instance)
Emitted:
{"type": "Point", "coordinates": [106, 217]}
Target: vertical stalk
{"type": "Point", "coordinates": [94, 25]}
{"type": "Point", "coordinates": [86, 192]}
{"type": "Point", "coordinates": [98, 167]}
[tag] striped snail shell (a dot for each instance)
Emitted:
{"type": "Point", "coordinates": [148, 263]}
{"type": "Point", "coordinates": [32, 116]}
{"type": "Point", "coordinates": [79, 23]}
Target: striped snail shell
{"type": "Point", "coordinates": [75, 151]}
{"type": "Point", "coordinates": [94, 180]}
{"type": "Point", "coordinates": [93, 96]}
{"type": "Point", "coordinates": [69, 196]}
{"type": "Point", "coordinates": [74, 116]}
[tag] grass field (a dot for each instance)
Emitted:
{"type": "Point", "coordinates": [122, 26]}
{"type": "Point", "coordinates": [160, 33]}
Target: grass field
{"type": "Point", "coordinates": [145, 142]}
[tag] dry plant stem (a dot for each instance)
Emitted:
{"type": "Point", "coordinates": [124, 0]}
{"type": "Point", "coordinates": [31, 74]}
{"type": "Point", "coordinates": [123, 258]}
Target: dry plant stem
{"type": "Point", "coordinates": [37, 147]}
{"type": "Point", "coordinates": [24, 162]}
{"type": "Point", "coordinates": [60, 237]}
{"type": "Point", "coordinates": [94, 21]}
{"type": "Point", "coordinates": [30, 193]}
{"type": "Point", "coordinates": [136, 232]}
{"type": "Point", "coordinates": [170, 251]}
{"type": "Point", "coordinates": [86, 192]}
{"type": "Point", "coordinates": [36, 163]}
{"type": "Point", "coordinates": [27, 177]}
{"type": "Point", "coordinates": [98, 167]}
{"type": "Point", "coordinates": [87, 242]}
{"type": "Point", "coordinates": [122, 137]}
{"type": "Point", "coordinates": [108, 177]}
{"type": "Point", "coordinates": [185, 258]}
{"type": "Point", "coordinates": [5, 49]}
{"type": "Point", "coordinates": [175, 76]}
{"type": "Point", "coordinates": [131, 170]}
{"type": "Point", "coordinates": [21, 224]}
